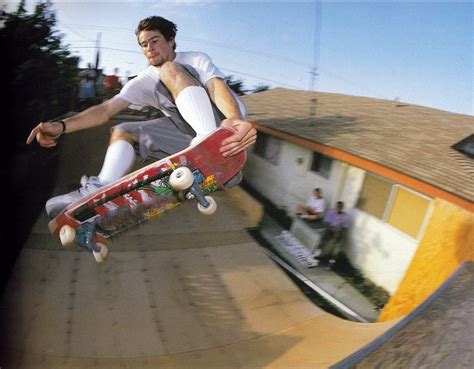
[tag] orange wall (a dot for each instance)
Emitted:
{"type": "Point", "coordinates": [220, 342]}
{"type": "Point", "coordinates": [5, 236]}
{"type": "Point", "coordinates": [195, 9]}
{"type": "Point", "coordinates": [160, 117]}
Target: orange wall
{"type": "Point", "coordinates": [447, 242]}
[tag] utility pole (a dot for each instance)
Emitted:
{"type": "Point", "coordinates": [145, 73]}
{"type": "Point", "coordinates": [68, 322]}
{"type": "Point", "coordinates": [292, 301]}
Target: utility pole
{"type": "Point", "coordinates": [97, 50]}
{"type": "Point", "coordinates": [316, 48]}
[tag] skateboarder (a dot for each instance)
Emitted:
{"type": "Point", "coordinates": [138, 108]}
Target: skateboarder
{"type": "Point", "coordinates": [186, 86]}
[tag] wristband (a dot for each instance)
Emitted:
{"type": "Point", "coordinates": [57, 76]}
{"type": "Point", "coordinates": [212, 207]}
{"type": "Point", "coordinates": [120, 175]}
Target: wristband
{"type": "Point", "coordinates": [63, 132]}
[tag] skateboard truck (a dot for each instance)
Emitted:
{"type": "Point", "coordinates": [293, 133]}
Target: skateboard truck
{"type": "Point", "coordinates": [195, 193]}
{"type": "Point", "coordinates": [84, 236]}
{"type": "Point", "coordinates": [182, 179]}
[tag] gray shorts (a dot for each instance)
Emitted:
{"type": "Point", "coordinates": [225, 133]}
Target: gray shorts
{"type": "Point", "coordinates": [159, 138]}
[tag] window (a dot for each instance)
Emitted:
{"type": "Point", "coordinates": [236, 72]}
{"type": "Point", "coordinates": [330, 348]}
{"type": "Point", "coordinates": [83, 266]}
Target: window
{"type": "Point", "coordinates": [466, 146]}
{"type": "Point", "coordinates": [268, 147]}
{"type": "Point", "coordinates": [321, 164]}
{"type": "Point", "coordinates": [400, 207]}
{"type": "Point", "coordinates": [375, 195]}
{"type": "Point", "coordinates": [408, 211]}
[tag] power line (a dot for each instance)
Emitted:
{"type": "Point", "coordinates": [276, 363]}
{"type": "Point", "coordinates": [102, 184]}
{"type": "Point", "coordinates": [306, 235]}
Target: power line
{"type": "Point", "coordinates": [223, 69]}
{"type": "Point", "coordinates": [260, 78]}
{"type": "Point", "coordinates": [312, 68]}
{"type": "Point", "coordinates": [247, 51]}
{"type": "Point", "coordinates": [207, 42]}
{"type": "Point", "coordinates": [75, 32]}
{"type": "Point", "coordinates": [106, 48]}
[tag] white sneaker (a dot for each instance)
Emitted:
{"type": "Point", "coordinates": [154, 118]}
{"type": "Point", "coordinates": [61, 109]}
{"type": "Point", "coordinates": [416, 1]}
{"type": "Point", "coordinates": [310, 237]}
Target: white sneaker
{"type": "Point", "coordinates": [56, 204]}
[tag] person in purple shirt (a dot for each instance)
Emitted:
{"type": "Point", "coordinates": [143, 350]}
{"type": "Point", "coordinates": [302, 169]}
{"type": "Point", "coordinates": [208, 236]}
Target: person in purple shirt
{"type": "Point", "coordinates": [332, 240]}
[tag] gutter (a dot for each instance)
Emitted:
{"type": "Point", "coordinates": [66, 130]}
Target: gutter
{"type": "Point", "coordinates": [370, 166]}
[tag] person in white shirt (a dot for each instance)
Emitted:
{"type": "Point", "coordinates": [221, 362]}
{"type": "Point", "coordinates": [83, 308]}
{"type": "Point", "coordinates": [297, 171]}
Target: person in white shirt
{"type": "Point", "coordinates": [314, 207]}
{"type": "Point", "coordinates": [186, 86]}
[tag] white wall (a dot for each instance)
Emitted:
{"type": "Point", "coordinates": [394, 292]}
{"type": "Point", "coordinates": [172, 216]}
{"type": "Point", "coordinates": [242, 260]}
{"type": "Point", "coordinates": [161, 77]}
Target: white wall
{"type": "Point", "coordinates": [290, 182]}
{"type": "Point", "coordinates": [380, 251]}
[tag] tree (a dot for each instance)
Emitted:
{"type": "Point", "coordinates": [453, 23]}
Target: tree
{"type": "Point", "coordinates": [236, 85]}
{"type": "Point", "coordinates": [39, 78]}
{"type": "Point", "coordinates": [260, 88]}
{"type": "Point", "coordinates": [41, 75]}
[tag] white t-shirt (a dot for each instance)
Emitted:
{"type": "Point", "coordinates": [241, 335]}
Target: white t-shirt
{"type": "Point", "coordinates": [317, 205]}
{"type": "Point", "coordinates": [142, 89]}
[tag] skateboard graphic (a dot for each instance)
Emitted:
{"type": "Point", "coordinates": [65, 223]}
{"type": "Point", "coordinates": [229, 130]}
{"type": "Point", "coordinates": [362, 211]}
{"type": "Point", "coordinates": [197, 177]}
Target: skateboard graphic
{"type": "Point", "coordinates": [148, 193]}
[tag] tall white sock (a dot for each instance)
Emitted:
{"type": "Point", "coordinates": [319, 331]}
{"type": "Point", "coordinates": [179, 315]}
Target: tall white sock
{"type": "Point", "coordinates": [119, 158]}
{"type": "Point", "coordinates": [195, 106]}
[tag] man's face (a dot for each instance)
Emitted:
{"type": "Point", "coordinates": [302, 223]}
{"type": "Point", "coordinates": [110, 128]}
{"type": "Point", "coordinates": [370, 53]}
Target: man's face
{"type": "Point", "coordinates": [156, 48]}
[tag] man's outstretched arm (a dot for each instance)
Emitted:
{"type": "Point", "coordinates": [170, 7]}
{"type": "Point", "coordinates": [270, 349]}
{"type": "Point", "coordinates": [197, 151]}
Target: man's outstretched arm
{"type": "Point", "coordinates": [47, 133]}
{"type": "Point", "coordinates": [245, 134]}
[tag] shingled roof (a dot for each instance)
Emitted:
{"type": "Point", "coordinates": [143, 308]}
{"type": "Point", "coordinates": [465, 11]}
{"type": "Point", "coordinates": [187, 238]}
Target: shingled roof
{"type": "Point", "coordinates": [413, 140]}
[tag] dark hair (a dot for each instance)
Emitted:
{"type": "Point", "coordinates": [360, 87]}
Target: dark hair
{"type": "Point", "coordinates": [167, 28]}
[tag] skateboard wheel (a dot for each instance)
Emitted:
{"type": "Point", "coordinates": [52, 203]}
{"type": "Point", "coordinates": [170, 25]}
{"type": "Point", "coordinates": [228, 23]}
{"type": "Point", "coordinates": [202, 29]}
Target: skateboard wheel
{"type": "Point", "coordinates": [181, 179]}
{"type": "Point", "coordinates": [211, 209]}
{"type": "Point", "coordinates": [67, 235]}
{"type": "Point", "coordinates": [100, 256]}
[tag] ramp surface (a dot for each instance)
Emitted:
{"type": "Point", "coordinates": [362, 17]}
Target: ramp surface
{"type": "Point", "coordinates": [223, 306]}
{"type": "Point", "coordinates": [184, 291]}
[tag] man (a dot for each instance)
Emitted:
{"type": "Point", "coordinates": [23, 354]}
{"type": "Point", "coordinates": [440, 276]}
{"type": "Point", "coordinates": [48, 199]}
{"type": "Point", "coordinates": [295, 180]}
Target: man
{"type": "Point", "coordinates": [314, 208]}
{"type": "Point", "coordinates": [180, 84]}
{"type": "Point", "coordinates": [332, 240]}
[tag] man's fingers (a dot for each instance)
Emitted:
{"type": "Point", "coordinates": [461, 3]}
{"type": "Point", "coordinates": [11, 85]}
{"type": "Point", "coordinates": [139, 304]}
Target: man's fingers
{"type": "Point", "coordinates": [240, 137]}
{"type": "Point", "coordinates": [33, 134]}
{"type": "Point", "coordinates": [242, 133]}
{"type": "Point", "coordinates": [236, 147]}
{"type": "Point", "coordinates": [45, 135]}
{"type": "Point", "coordinates": [244, 136]}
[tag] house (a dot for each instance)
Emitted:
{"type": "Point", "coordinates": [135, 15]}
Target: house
{"type": "Point", "coordinates": [396, 167]}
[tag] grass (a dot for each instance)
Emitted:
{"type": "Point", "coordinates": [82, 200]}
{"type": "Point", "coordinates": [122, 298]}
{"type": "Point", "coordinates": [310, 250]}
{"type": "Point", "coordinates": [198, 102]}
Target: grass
{"type": "Point", "coordinates": [375, 294]}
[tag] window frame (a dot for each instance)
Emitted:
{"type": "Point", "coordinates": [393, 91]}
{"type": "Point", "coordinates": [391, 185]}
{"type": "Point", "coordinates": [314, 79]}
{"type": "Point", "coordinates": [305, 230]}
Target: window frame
{"type": "Point", "coordinates": [261, 148]}
{"type": "Point", "coordinates": [389, 206]}
{"type": "Point", "coordinates": [391, 202]}
{"type": "Point", "coordinates": [323, 157]}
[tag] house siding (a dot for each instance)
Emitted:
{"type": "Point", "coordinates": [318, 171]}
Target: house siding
{"type": "Point", "coordinates": [380, 251]}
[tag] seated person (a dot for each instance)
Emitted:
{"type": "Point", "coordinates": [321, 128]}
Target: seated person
{"type": "Point", "coordinates": [332, 240]}
{"type": "Point", "coordinates": [314, 208]}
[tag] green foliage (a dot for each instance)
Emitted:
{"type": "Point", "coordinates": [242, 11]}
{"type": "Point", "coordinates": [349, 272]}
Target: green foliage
{"type": "Point", "coordinates": [260, 88]}
{"type": "Point", "coordinates": [41, 75]}
{"type": "Point", "coordinates": [376, 294]}
{"type": "Point", "coordinates": [236, 85]}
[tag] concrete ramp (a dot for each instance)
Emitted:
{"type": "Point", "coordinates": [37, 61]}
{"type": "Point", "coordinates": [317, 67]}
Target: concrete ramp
{"type": "Point", "coordinates": [170, 305]}
{"type": "Point", "coordinates": [183, 291]}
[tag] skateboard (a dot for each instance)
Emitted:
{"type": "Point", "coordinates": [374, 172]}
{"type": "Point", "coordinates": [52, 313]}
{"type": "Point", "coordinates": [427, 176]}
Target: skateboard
{"type": "Point", "coordinates": [147, 193]}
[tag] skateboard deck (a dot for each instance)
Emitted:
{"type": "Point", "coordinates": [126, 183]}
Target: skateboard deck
{"type": "Point", "coordinates": [148, 193]}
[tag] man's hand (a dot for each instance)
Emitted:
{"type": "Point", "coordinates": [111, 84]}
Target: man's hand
{"type": "Point", "coordinates": [244, 136]}
{"type": "Point", "coordinates": [46, 133]}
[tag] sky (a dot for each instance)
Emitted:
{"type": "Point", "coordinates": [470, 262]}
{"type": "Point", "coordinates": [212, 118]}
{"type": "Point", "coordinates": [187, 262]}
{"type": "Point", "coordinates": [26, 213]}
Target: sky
{"type": "Point", "coordinates": [415, 52]}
